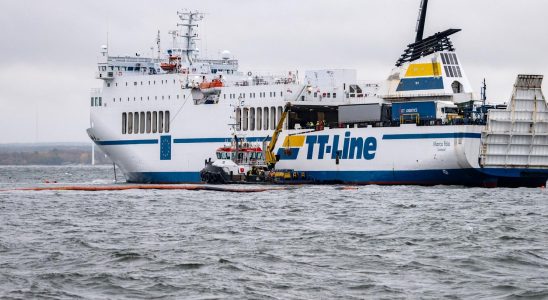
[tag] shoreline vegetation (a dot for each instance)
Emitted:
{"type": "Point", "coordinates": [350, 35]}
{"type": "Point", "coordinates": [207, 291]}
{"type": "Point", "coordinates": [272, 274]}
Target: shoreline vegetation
{"type": "Point", "coordinates": [52, 154]}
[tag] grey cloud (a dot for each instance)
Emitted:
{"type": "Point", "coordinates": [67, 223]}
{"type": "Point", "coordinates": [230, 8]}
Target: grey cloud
{"type": "Point", "coordinates": [49, 48]}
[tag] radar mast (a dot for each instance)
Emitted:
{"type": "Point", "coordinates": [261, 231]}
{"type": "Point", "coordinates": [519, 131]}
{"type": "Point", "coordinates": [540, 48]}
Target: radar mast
{"type": "Point", "coordinates": [188, 23]}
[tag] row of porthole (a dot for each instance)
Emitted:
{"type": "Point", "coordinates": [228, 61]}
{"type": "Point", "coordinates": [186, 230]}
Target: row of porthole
{"type": "Point", "coordinates": [135, 83]}
{"type": "Point", "coordinates": [252, 95]}
{"type": "Point", "coordinates": [145, 122]}
{"type": "Point", "coordinates": [147, 98]}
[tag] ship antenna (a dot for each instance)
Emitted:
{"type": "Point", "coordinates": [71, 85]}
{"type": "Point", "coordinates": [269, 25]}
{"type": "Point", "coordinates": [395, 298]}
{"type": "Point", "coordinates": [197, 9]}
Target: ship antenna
{"type": "Point", "coordinates": [189, 20]}
{"type": "Point", "coordinates": [158, 43]}
{"type": "Point", "coordinates": [421, 20]}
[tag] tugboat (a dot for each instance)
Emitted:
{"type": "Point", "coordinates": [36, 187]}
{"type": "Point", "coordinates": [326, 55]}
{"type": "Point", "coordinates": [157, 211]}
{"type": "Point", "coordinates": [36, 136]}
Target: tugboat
{"type": "Point", "coordinates": [237, 162]}
{"type": "Point", "coordinates": [245, 162]}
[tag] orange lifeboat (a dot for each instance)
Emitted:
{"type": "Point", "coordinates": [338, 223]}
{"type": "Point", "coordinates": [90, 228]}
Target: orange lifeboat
{"type": "Point", "coordinates": [215, 83]}
{"type": "Point", "coordinates": [168, 66]}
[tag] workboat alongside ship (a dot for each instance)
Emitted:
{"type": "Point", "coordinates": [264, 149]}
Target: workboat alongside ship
{"type": "Point", "coordinates": [160, 118]}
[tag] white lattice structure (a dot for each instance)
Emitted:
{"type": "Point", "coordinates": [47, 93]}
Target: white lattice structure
{"type": "Point", "coordinates": [518, 136]}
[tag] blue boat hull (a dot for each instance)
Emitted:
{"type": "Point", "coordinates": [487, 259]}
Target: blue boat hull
{"type": "Point", "coordinates": [466, 177]}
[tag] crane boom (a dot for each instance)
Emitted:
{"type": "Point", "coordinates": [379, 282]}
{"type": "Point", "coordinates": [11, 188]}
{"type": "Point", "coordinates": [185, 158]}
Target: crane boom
{"type": "Point", "coordinates": [270, 157]}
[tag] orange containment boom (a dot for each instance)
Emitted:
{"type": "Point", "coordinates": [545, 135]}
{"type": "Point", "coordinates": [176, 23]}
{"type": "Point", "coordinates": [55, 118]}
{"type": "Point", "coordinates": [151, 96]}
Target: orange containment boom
{"type": "Point", "coordinates": [99, 188]}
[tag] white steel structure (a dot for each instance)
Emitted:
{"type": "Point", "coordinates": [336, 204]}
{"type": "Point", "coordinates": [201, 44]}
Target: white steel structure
{"type": "Point", "coordinates": [159, 118]}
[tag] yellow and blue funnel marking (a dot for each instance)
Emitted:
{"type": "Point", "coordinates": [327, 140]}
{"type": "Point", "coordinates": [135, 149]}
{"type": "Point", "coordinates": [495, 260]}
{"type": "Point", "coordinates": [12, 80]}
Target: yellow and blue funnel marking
{"type": "Point", "coordinates": [423, 76]}
{"type": "Point", "coordinates": [423, 70]}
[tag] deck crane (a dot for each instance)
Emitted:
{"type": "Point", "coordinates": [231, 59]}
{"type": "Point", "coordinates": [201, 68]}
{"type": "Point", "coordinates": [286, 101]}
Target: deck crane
{"type": "Point", "coordinates": [270, 157]}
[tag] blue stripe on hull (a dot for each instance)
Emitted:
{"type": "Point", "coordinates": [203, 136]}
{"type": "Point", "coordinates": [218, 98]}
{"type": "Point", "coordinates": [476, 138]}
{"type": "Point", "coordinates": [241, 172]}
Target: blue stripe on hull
{"type": "Point", "coordinates": [418, 136]}
{"type": "Point", "coordinates": [467, 177]}
{"type": "Point", "coordinates": [126, 142]}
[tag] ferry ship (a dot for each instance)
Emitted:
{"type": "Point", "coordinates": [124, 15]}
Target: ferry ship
{"type": "Point", "coordinates": [159, 118]}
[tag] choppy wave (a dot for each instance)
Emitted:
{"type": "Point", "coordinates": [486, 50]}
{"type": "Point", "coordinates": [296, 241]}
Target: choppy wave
{"type": "Point", "coordinates": [310, 242]}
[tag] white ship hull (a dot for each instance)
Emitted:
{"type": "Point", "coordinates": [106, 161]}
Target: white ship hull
{"type": "Point", "coordinates": [159, 126]}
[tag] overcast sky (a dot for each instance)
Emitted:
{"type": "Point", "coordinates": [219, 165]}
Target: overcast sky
{"type": "Point", "coordinates": [49, 48]}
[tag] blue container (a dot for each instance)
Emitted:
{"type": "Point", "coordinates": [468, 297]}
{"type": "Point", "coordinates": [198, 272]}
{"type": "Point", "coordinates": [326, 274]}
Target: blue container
{"type": "Point", "coordinates": [425, 110]}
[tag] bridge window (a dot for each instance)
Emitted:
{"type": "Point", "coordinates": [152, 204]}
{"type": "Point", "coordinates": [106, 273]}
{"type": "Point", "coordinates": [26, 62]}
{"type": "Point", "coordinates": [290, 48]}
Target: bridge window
{"type": "Point", "coordinates": [124, 123]}
{"type": "Point", "coordinates": [92, 101]}
{"type": "Point", "coordinates": [280, 111]}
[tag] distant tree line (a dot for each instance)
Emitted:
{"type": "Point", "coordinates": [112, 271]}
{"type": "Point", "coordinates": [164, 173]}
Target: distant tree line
{"type": "Point", "coordinates": [55, 156]}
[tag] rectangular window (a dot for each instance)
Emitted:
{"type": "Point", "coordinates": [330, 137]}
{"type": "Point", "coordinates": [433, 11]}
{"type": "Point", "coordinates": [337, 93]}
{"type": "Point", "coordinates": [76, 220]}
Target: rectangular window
{"type": "Point", "coordinates": [334, 95]}
{"type": "Point", "coordinates": [92, 101]}
{"type": "Point", "coordinates": [100, 101]}
{"type": "Point", "coordinates": [245, 120]}
{"type": "Point", "coordinates": [272, 118]}
{"type": "Point", "coordinates": [154, 122]}
{"type": "Point", "coordinates": [451, 71]}
{"type": "Point", "coordinates": [124, 123]}
{"type": "Point", "coordinates": [446, 70]}
{"type": "Point", "coordinates": [259, 118]}
{"type": "Point", "coordinates": [238, 118]}
{"type": "Point", "coordinates": [252, 118]}
{"type": "Point", "coordinates": [142, 122]}
{"type": "Point", "coordinates": [455, 59]}
{"type": "Point", "coordinates": [167, 121]}
{"type": "Point", "coordinates": [149, 121]}
{"type": "Point", "coordinates": [265, 121]}
{"type": "Point", "coordinates": [160, 122]}
{"type": "Point", "coordinates": [280, 111]}
{"type": "Point", "coordinates": [450, 57]}
{"type": "Point", "coordinates": [130, 123]}
{"type": "Point", "coordinates": [458, 71]}
{"type": "Point", "coordinates": [135, 122]}
{"type": "Point", "coordinates": [443, 59]}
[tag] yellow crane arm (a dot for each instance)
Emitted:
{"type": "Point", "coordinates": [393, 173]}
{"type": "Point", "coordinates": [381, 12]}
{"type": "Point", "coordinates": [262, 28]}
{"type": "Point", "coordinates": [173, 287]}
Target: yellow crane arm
{"type": "Point", "coordinates": [270, 157]}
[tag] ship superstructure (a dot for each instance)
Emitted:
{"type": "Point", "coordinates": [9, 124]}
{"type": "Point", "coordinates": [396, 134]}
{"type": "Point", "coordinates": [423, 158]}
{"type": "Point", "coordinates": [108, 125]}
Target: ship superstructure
{"type": "Point", "coordinates": [159, 118]}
